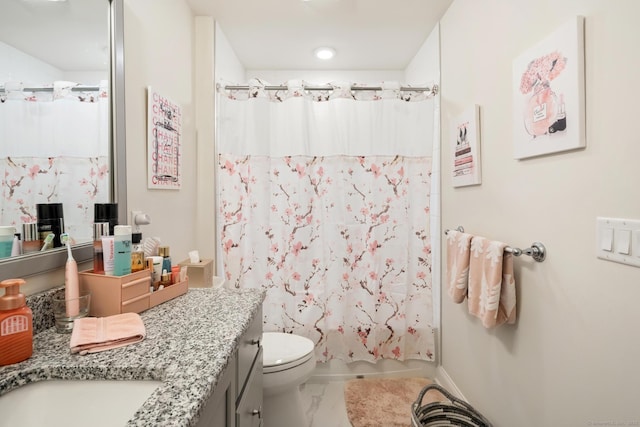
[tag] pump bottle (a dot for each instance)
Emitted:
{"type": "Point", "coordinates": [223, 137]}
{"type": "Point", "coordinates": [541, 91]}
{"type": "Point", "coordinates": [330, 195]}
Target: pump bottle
{"type": "Point", "coordinates": [16, 324]}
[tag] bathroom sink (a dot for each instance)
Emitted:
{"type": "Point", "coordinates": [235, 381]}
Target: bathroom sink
{"type": "Point", "coordinates": [71, 403]}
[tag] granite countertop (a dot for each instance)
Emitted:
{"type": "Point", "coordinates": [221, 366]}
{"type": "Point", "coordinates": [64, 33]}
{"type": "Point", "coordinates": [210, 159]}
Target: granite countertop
{"type": "Point", "coordinates": [189, 343]}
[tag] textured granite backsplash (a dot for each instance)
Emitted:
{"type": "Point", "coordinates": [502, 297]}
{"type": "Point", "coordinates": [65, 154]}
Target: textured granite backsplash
{"type": "Point", "coordinates": [40, 305]}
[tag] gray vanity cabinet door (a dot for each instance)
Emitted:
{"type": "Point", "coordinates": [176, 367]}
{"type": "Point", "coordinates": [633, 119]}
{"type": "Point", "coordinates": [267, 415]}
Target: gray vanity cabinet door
{"type": "Point", "coordinates": [248, 347]}
{"type": "Point", "coordinates": [249, 376]}
{"type": "Point", "coordinates": [237, 398]}
{"type": "Point", "coordinates": [249, 407]}
{"type": "Point", "coordinates": [219, 409]}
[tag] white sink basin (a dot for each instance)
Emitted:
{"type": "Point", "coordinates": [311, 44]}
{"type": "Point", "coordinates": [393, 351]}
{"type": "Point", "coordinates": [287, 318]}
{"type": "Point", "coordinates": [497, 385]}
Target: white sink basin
{"type": "Point", "coordinates": [72, 403]}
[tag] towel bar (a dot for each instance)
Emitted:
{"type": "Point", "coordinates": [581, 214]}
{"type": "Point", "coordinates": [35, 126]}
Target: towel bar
{"type": "Point", "coordinates": [537, 251]}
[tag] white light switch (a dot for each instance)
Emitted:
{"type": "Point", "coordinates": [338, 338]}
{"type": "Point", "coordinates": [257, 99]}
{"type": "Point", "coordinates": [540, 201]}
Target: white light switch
{"type": "Point", "coordinates": [623, 241]}
{"type": "Point", "coordinates": [618, 240]}
{"type": "Point", "coordinates": [606, 239]}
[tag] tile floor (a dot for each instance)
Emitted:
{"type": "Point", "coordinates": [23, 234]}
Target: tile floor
{"type": "Point", "coordinates": [324, 404]}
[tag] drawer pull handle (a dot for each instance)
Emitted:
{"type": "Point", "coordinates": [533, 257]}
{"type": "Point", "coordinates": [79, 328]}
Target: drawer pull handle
{"type": "Point", "coordinates": [257, 412]}
{"type": "Point", "coordinates": [255, 342]}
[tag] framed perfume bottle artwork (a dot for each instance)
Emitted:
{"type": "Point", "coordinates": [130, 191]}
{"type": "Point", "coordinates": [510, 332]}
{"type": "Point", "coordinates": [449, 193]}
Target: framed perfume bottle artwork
{"type": "Point", "coordinates": [466, 148]}
{"type": "Point", "coordinates": [548, 94]}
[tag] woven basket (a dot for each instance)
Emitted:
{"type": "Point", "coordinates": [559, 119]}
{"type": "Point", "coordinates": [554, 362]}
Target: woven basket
{"type": "Point", "coordinates": [454, 412]}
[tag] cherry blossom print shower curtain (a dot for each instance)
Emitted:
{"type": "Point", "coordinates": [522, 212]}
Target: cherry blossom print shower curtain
{"type": "Point", "coordinates": [55, 149]}
{"type": "Point", "coordinates": [323, 200]}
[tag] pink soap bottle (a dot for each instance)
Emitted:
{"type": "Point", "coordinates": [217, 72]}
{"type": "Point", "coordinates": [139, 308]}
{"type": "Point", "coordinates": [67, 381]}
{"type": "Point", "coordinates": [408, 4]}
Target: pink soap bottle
{"type": "Point", "coordinates": [16, 324]}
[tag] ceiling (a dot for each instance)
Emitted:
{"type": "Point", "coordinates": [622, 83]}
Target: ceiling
{"type": "Point", "coordinates": [282, 34]}
{"type": "Point", "coordinates": [70, 35]}
{"type": "Point", "coordinates": [265, 34]}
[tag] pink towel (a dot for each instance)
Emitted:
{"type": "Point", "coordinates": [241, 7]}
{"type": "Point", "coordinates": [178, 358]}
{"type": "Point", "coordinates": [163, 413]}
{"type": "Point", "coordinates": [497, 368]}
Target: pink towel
{"type": "Point", "coordinates": [94, 334]}
{"type": "Point", "coordinates": [458, 264]}
{"type": "Point", "coordinates": [492, 288]}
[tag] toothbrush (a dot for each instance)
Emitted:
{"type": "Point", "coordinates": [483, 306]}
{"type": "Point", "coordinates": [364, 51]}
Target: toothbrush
{"type": "Point", "coordinates": [48, 241]}
{"type": "Point", "coordinates": [71, 287]}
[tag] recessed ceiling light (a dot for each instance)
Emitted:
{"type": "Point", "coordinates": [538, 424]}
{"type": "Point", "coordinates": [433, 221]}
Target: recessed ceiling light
{"type": "Point", "coordinates": [324, 53]}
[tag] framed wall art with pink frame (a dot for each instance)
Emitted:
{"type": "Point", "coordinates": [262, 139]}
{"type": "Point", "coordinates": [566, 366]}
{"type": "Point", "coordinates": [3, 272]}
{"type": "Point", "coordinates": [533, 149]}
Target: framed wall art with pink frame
{"type": "Point", "coordinates": [548, 94]}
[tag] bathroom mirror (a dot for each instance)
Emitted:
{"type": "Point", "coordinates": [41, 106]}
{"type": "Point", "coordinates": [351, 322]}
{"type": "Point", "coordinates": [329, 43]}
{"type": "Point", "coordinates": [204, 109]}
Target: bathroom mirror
{"type": "Point", "coordinates": [45, 19]}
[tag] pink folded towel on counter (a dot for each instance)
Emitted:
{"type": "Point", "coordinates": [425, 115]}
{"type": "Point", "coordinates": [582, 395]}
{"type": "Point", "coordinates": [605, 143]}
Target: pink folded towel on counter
{"type": "Point", "coordinates": [94, 334]}
{"type": "Point", "coordinates": [458, 245]}
{"type": "Point", "coordinates": [492, 287]}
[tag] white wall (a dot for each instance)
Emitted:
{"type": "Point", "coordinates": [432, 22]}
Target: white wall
{"type": "Point", "coordinates": [18, 66]}
{"type": "Point", "coordinates": [205, 111]}
{"type": "Point", "coordinates": [572, 358]}
{"type": "Point", "coordinates": [424, 67]}
{"type": "Point", "coordinates": [327, 76]}
{"type": "Point", "coordinates": [227, 65]}
{"type": "Point", "coordinates": [159, 45]}
{"type": "Point", "coordinates": [86, 77]}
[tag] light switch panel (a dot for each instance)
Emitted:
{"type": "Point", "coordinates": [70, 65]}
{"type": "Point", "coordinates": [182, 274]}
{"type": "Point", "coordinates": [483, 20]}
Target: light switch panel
{"type": "Point", "coordinates": [618, 240]}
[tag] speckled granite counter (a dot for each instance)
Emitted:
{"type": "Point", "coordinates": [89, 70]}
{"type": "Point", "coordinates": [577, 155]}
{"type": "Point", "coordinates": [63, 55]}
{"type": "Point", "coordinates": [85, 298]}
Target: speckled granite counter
{"type": "Point", "coordinates": [189, 342]}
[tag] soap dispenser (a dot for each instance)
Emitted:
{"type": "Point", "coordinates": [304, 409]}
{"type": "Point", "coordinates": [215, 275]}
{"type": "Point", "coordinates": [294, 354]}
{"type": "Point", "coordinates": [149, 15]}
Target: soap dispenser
{"type": "Point", "coordinates": [16, 324]}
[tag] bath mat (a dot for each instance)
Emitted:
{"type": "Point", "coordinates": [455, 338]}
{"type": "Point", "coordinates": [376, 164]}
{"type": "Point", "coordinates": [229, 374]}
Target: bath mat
{"type": "Point", "coordinates": [385, 402]}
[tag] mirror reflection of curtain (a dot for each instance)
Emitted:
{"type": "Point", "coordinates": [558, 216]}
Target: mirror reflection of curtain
{"type": "Point", "coordinates": [55, 149]}
{"type": "Point", "coordinates": [324, 204]}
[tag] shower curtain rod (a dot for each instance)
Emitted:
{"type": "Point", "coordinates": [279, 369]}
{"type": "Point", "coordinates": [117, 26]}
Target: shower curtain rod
{"type": "Point", "coordinates": [50, 89]}
{"type": "Point", "coordinates": [433, 89]}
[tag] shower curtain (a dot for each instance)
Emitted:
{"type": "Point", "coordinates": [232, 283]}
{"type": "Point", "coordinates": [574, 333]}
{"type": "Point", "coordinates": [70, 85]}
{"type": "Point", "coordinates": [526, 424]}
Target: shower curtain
{"type": "Point", "coordinates": [55, 149]}
{"type": "Point", "coordinates": [324, 203]}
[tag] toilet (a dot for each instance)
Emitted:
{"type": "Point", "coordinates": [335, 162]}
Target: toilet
{"type": "Point", "coordinates": [288, 361]}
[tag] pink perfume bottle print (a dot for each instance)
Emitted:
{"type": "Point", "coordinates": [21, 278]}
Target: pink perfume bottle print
{"type": "Point", "coordinates": [541, 110]}
{"type": "Point", "coordinates": [543, 113]}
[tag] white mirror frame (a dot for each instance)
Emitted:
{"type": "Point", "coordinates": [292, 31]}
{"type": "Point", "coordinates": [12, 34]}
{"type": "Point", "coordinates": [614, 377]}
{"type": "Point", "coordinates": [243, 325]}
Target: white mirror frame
{"type": "Point", "coordinates": [33, 264]}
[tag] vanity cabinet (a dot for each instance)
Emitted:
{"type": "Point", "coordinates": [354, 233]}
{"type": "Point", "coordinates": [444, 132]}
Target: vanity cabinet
{"type": "Point", "coordinates": [219, 410]}
{"type": "Point", "coordinates": [237, 398]}
{"type": "Point", "coordinates": [249, 376]}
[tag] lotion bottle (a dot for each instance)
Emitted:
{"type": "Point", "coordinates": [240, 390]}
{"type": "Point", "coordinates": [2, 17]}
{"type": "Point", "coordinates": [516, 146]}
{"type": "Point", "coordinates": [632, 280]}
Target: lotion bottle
{"type": "Point", "coordinates": [16, 324]}
{"type": "Point", "coordinates": [122, 255]}
{"type": "Point", "coordinates": [137, 253]}
{"type": "Point", "coordinates": [163, 251]}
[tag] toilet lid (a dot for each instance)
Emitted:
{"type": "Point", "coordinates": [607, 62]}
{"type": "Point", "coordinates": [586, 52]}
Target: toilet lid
{"type": "Point", "coordinates": [279, 348]}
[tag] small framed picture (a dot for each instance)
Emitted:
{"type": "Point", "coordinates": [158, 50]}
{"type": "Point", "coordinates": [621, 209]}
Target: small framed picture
{"type": "Point", "coordinates": [466, 148]}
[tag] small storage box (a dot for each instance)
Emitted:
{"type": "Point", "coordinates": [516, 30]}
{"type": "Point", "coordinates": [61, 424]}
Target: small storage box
{"type": "Point", "coordinates": [200, 273]}
{"type": "Point", "coordinates": [125, 294]}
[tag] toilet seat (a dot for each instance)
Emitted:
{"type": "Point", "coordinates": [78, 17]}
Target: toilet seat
{"type": "Point", "coordinates": [284, 351]}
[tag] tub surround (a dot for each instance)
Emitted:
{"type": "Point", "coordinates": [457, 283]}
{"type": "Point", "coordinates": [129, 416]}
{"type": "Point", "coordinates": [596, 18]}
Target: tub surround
{"type": "Point", "coordinates": [190, 342]}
